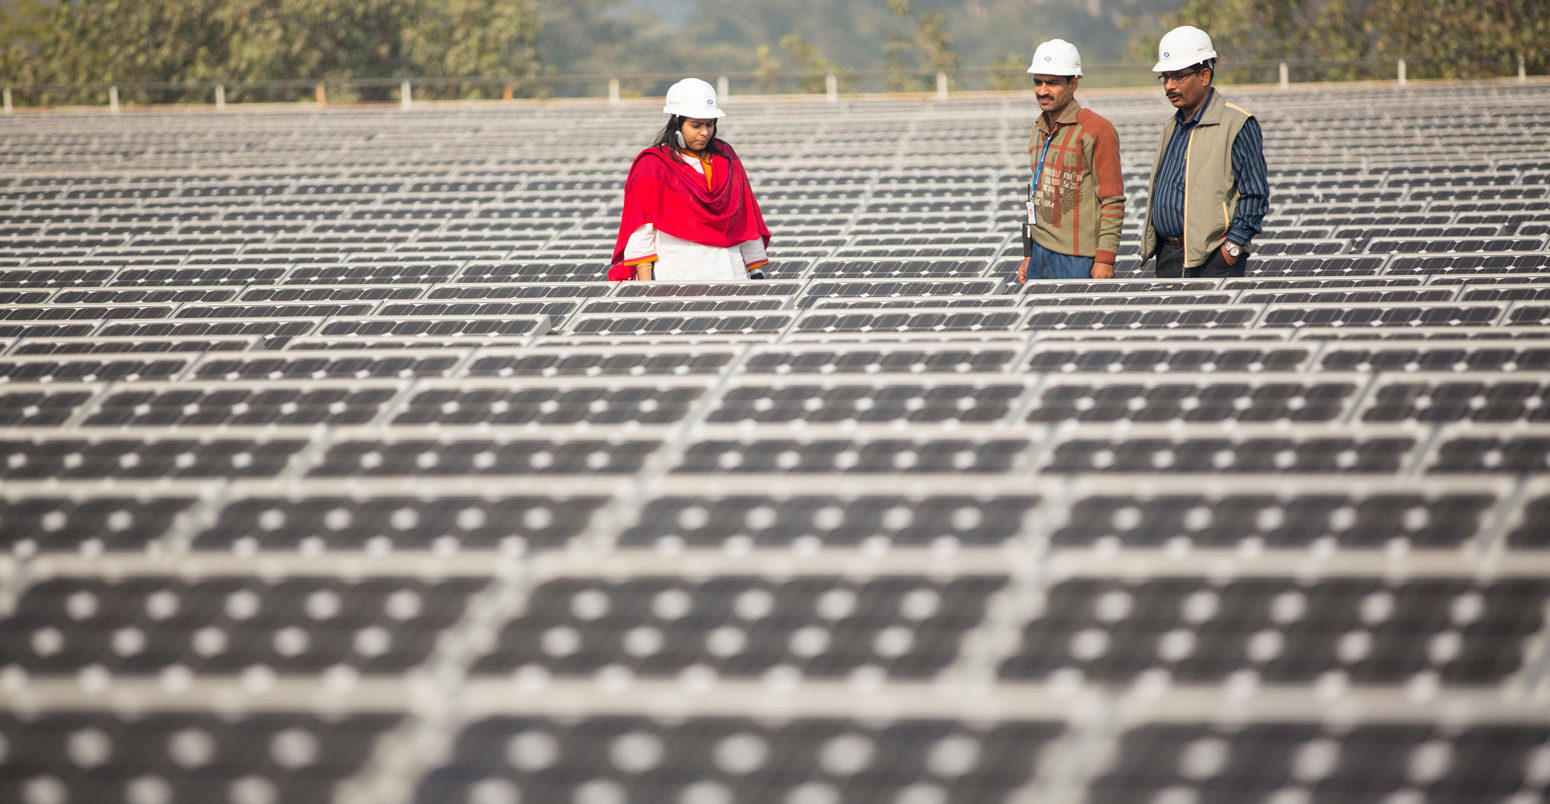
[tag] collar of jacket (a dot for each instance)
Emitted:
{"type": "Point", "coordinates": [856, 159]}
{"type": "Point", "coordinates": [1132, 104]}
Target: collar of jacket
{"type": "Point", "coordinates": [1067, 116]}
{"type": "Point", "coordinates": [1209, 114]}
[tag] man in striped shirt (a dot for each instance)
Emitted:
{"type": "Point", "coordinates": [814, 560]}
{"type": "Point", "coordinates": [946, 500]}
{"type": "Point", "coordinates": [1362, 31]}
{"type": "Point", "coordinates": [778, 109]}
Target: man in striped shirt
{"type": "Point", "coordinates": [1076, 206]}
{"type": "Point", "coordinates": [1209, 193]}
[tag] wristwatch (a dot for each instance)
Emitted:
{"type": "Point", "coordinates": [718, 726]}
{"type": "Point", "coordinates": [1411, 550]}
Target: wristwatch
{"type": "Point", "coordinates": [1233, 250]}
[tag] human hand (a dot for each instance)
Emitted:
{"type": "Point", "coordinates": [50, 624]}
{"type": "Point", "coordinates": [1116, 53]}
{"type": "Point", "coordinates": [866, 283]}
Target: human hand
{"type": "Point", "coordinates": [1022, 272]}
{"type": "Point", "coordinates": [1103, 270]}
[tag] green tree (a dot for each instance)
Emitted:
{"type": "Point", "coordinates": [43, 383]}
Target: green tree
{"type": "Point", "coordinates": [1011, 74]}
{"type": "Point", "coordinates": [144, 41]}
{"type": "Point", "coordinates": [928, 48]}
{"type": "Point", "coordinates": [1331, 38]}
{"type": "Point", "coordinates": [810, 60]}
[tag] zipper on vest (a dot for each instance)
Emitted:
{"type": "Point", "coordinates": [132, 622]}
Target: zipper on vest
{"type": "Point", "coordinates": [1188, 145]}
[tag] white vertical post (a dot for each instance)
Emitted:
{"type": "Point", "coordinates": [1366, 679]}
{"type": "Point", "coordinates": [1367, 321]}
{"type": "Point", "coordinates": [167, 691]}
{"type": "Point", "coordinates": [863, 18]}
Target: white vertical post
{"type": "Point", "coordinates": [220, 97]}
{"type": "Point", "coordinates": [831, 83]}
{"type": "Point", "coordinates": [113, 100]}
{"type": "Point", "coordinates": [7, 100]}
{"type": "Point", "coordinates": [613, 91]}
{"type": "Point", "coordinates": [1286, 78]}
{"type": "Point", "coordinates": [1401, 72]}
{"type": "Point", "coordinates": [1522, 69]}
{"type": "Point", "coordinates": [403, 94]}
{"type": "Point", "coordinates": [723, 89]}
{"type": "Point", "coordinates": [941, 86]}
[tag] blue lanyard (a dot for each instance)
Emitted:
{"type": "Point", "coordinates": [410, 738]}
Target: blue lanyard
{"type": "Point", "coordinates": [1039, 174]}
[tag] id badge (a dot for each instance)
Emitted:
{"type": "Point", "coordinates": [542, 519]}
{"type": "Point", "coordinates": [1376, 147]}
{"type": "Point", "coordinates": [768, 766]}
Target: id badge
{"type": "Point", "coordinates": [1033, 215]}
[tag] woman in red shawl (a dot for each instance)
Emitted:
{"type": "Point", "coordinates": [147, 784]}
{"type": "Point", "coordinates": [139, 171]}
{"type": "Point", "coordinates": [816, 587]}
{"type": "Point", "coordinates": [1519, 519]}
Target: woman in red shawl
{"type": "Point", "coordinates": [689, 213]}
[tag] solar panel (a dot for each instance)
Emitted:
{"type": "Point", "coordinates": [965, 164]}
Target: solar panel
{"type": "Point", "coordinates": [1139, 318]}
{"type": "Point", "coordinates": [1113, 631]}
{"type": "Point", "coordinates": [813, 454]}
{"type": "Point", "coordinates": [1296, 514]}
{"type": "Point", "coordinates": [759, 324]}
{"type": "Point", "coordinates": [1308, 450]}
{"type": "Point", "coordinates": [145, 625]}
{"type": "Point", "coordinates": [1398, 314]}
{"type": "Point", "coordinates": [1164, 357]}
{"type": "Point", "coordinates": [250, 755]}
{"type": "Point", "coordinates": [386, 522]}
{"type": "Point", "coordinates": [1195, 398]}
{"type": "Point", "coordinates": [332, 469]}
{"type": "Point", "coordinates": [819, 759]}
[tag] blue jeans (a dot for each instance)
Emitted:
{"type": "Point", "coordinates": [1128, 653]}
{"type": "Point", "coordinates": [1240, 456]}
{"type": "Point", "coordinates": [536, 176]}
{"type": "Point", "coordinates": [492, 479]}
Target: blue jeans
{"type": "Point", "coordinates": [1046, 264]}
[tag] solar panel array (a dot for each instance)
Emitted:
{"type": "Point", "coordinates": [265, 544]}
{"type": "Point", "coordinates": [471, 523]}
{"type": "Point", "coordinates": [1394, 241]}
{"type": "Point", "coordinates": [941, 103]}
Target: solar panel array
{"type": "Point", "coordinates": [330, 470]}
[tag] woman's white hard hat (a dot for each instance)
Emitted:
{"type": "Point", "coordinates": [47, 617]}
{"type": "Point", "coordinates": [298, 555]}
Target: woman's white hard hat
{"type": "Point", "coordinates": [694, 98]}
{"type": "Point", "coordinates": [1183, 47]}
{"type": "Point", "coordinates": [1056, 57]}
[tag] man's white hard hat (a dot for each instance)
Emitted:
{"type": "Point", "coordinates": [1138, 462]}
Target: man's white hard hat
{"type": "Point", "coordinates": [1056, 57]}
{"type": "Point", "coordinates": [694, 98]}
{"type": "Point", "coordinates": [1183, 47]}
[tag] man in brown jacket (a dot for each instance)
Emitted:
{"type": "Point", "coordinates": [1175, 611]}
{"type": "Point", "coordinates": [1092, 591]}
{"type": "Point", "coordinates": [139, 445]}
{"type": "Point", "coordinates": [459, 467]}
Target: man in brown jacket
{"type": "Point", "coordinates": [1076, 203]}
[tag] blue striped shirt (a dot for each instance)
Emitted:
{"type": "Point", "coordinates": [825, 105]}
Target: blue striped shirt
{"type": "Point", "coordinates": [1248, 162]}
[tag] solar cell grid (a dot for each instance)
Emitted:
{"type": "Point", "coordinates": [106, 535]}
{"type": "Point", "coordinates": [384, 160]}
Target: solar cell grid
{"type": "Point", "coordinates": [1468, 261]}
{"type": "Point", "coordinates": [812, 454]}
{"type": "Point", "coordinates": [1113, 631]}
{"type": "Point", "coordinates": [1140, 318]}
{"type": "Point", "coordinates": [580, 400]}
{"type": "Point", "coordinates": [799, 403]}
{"type": "Point", "coordinates": [739, 759]}
{"type": "Point", "coordinates": [521, 328]}
{"type": "Point", "coordinates": [177, 756]}
{"type": "Point", "coordinates": [868, 360]}
{"type": "Point", "coordinates": [144, 625]}
{"type": "Point", "coordinates": [450, 522]}
{"type": "Point", "coordinates": [125, 345]}
{"type": "Point", "coordinates": [760, 324]}
{"type": "Point", "coordinates": [377, 457]}
{"type": "Point", "coordinates": [1163, 357]}
{"type": "Point", "coordinates": [1277, 514]}
{"type": "Point", "coordinates": [149, 457]}
{"type": "Point", "coordinates": [1398, 314]}
{"type": "Point", "coordinates": [746, 626]}
{"type": "Point", "coordinates": [698, 304]}
{"type": "Point", "coordinates": [786, 519]}
{"type": "Point", "coordinates": [840, 268]}
{"type": "Point", "coordinates": [894, 492]}
{"type": "Point", "coordinates": [1196, 398]}
{"type": "Point", "coordinates": [1339, 765]}
{"type": "Point", "coordinates": [1309, 450]}
{"type": "Point", "coordinates": [1462, 449]}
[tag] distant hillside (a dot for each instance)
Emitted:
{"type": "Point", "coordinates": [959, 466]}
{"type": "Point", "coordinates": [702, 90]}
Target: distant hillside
{"type": "Point", "coordinates": [723, 35]}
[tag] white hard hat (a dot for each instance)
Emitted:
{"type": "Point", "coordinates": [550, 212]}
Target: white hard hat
{"type": "Point", "coordinates": [1184, 46]}
{"type": "Point", "coordinates": [694, 98]}
{"type": "Point", "coordinates": [1056, 57]}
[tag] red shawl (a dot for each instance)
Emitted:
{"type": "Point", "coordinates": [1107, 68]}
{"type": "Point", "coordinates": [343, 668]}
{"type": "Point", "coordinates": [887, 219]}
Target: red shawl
{"type": "Point", "coordinates": [664, 191]}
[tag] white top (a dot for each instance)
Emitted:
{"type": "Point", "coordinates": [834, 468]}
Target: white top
{"type": "Point", "coordinates": [684, 260]}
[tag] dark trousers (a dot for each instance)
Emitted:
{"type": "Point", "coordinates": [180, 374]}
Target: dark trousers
{"type": "Point", "coordinates": [1170, 264]}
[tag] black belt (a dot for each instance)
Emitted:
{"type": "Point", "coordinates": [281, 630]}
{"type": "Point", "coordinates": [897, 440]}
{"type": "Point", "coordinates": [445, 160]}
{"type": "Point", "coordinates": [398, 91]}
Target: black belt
{"type": "Point", "coordinates": [1176, 242]}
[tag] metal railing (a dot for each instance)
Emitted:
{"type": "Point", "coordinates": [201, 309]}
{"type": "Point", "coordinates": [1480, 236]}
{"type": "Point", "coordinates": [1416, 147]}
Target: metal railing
{"type": "Point", "coordinates": [831, 86]}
